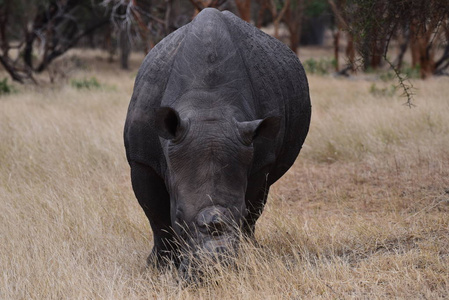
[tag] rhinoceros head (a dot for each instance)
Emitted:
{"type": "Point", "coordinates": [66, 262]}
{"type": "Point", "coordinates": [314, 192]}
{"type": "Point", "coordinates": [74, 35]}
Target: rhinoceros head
{"type": "Point", "coordinates": [209, 156]}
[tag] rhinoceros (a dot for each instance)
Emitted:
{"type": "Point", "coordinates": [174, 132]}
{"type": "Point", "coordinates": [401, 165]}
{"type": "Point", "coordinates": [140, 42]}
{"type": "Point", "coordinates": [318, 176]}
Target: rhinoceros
{"type": "Point", "coordinates": [219, 112]}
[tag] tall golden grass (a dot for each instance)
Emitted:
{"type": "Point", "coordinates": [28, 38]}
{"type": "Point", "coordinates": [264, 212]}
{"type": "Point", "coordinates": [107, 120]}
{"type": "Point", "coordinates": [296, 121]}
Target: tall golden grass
{"type": "Point", "coordinates": [364, 213]}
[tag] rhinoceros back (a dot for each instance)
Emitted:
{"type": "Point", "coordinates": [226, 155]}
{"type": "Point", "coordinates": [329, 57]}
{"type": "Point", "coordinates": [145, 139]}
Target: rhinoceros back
{"type": "Point", "coordinates": [208, 60]}
{"type": "Point", "coordinates": [141, 143]}
{"type": "Point", "coordinates": [277, 76]}
{"type": "Point", "coordinates": [278, 85]}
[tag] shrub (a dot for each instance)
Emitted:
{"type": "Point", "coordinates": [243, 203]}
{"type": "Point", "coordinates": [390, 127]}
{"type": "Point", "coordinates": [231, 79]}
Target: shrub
{"type": "Point", "coordinates": [410, 71]}
{"type": "Point", "coordinates": [383, 92]}
{"type": "Point", "coordinates": [387, 76]}
{"type": "Point", "coordinates": [6, 88]}
{"type": "Point", "coordinates": [321, 67]}
{"type": "Point", "coordinates": [90, 84]}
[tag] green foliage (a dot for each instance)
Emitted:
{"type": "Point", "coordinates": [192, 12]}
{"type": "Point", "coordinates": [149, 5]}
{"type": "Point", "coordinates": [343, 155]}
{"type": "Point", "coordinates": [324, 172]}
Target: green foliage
{"type": "Point", "coordinates": [322, 66]}
{"type": "Point", "coordinates": [90, 84]}
{"type": "Point", "coordinates": [387, 76]}
{"type": "Point", "coordinates": [411, 72]}
{"type": "Point", "coordinates": [316, 8]}
{"type": "Point", "coordinates": [279, 4]}
{"type": "Point", "coordinates": [383, 92]}
{"type": "Point", "coordinates": [407, 70]}
{"type": "Point", "coordinates": [5, 87]}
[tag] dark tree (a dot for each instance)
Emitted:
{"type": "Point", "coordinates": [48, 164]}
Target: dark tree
{"type": "Point", "coordinates": [41, 31]}
{"type": "Point", "coordinates": [202, 4]}
{"type": "Point", "coordinates": [294, 18]}
{"type": "Point", "coordinates": [244, 8]}
{"type": "Point", "coordinates": [342, 19]}
{"type": "Point", "coordinates": [422, 24]}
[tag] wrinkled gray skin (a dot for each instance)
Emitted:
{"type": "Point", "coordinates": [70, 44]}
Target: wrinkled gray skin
{"type": "Point", "coordinates": [219, 112]}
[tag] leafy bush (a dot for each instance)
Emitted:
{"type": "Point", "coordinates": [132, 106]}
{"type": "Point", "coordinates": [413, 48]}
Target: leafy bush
{"type": "Point", "coordinates": [316, 8]}
{"type": "Point", "coordinates": [411, 72]}
{"type": "Point", "coordinates": [6, 88]}
{"type": "Point", "coordinates": [321, 67]}
{"type": "Point", "coordinates": [407, 70]}
{"type": "Point", "coordinates": [383, 92]}
{"type": "Point", "coordinates": [387, 76]}
{"type": "Point", "coordinates": [90, 84]}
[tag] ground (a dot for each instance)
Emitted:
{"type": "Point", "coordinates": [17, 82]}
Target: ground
{"type": "Point", "coordinates": [363, 213]}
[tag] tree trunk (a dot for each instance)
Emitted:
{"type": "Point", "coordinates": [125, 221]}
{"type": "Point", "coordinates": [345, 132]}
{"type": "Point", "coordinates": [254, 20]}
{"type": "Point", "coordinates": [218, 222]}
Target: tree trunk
{"type": "Point", "coordinates": [244, 8]}
{"type": "Point", "coordinates": [167, 20]}
{"type": "Point", "coordinates": [336, 48]}
{"type": "Point", "coordinates": [426, 61]}
{"type": "Point", "coordinates": [377, 50]}
{"type": "Point", "coordinates": [350, 51]}
{"type": "Point", "coordinates": [443, 62]}
{"type": "Point", "coordinates": [295, 32]}
{"type": "Point", "coordinates": [414, 45]}
{"type": "Point", "coordinates": [421, 44]}
{"type": "Point", "coordinates": [108, 44]}
{"type": "Point", "coordinates": [264, 5]}
{"type": "Point", "coordinates": [293, 18]}
{"type": "Point", "coordinates": [4, 13]}
{"type": "Point", "coordinates": [125, 49]}
{"type": "Point", "coordinates": [404, 40]}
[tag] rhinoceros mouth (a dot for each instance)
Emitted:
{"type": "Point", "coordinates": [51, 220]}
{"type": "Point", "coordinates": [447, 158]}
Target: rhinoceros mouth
{"type": "Point", "coordinates": [209, 254]}
{"type": "Point", "coordinates": [219, 245]}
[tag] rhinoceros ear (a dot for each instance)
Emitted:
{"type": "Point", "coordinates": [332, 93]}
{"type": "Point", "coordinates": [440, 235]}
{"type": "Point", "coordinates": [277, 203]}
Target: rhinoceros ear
{"type": "Point", "coordinates": [166, 122]}
{"type": "Point", "coordinates": [267, 128]}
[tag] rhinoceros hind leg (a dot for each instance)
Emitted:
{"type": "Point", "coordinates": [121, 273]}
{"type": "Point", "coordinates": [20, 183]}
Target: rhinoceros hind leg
{"type": "Point", "coordinates": [154, 199]}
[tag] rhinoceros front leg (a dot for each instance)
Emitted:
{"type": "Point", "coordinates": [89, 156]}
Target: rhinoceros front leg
{"type": "Point", "coordinates": [256, 197]}
{"type": "Point", "coordinates": [151, 192]}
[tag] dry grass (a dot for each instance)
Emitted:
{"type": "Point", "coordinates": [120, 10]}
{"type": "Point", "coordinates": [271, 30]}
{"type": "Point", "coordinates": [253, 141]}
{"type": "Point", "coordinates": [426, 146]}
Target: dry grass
{"type": "Point", "coordinates": [364, 213]}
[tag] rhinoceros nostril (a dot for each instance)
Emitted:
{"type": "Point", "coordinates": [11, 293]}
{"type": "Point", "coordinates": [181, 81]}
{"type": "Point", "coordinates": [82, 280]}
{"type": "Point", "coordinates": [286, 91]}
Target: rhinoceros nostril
{"type": "Point", "coordinates": [221, 250]}
{"type": "Point", "coordinates": [212, 224]}
{"type": "Point", "coordinates": [217, 224]}
{"type": "Point", "coordinates": [215, 219]}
